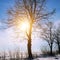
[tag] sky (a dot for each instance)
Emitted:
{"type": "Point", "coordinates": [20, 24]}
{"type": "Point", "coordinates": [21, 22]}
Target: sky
{"type": "Point", "coordinates": [6, 40]}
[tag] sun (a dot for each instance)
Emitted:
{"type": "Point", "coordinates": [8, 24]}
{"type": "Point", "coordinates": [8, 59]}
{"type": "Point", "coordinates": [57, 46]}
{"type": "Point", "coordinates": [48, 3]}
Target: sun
{"type": "Point", "coordinates": [24, 26]}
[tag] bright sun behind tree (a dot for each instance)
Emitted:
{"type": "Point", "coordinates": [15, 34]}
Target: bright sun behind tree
{"type": "Point", "coordinates": [24, 26]}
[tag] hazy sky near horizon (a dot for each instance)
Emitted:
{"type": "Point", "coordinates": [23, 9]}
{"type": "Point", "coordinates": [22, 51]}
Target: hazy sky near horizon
{"type": "Point", "coordinates": [6, 41]}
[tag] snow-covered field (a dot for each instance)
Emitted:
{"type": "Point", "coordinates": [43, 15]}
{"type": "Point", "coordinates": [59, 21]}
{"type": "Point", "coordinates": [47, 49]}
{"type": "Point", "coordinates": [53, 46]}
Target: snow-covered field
{"type": "Point", "coordinates": [49, 58]}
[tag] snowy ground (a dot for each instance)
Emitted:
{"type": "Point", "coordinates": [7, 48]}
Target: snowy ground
{"type": "Point", "coordinates": [49, 58]}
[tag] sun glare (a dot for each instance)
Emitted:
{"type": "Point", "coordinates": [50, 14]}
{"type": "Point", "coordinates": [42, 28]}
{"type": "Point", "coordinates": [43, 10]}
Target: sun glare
{"type": "Point", "coordinates": [24, 26]}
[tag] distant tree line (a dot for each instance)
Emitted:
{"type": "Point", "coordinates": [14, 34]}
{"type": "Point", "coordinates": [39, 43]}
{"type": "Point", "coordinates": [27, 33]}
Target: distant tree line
{"type": "Point", "coordinates": [13, 55]}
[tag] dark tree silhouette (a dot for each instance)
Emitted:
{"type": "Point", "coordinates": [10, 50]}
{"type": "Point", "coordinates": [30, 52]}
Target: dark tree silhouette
{"type": "Point", "coordinates": [48, 35]}
{"type": "Point", "coordinates": [57, 37]}
{"type": "Point", "coordinates": [34, 10]}
{"type": "Point", "coordinates": [4, 56]}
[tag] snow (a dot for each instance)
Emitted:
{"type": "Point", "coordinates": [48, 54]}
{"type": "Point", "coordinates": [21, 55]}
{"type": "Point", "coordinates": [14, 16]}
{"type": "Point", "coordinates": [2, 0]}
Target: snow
{"type": "Point", "coordinates": [49, 58]}
{"type": "Point", "coordinates": [46, 59]}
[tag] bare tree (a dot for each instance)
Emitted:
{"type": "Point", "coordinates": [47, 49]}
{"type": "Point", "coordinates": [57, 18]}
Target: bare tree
{"type": "Point", "coordinates": [10, 55]}
{"type": "Point", "coordinates": [48, 35]}
{"type": "Point", "coordinates": [4, 56]}
{"type": "Point", "coordinates": [57, 37]}
{"type": "Point", "coordinates": [17, 54]}
{"type": "Point", "coordinates": [34, 10]}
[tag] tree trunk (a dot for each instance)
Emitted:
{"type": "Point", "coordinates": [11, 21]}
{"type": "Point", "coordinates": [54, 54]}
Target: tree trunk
{"type": "Point", "coordinates": [59, 48]}
{"type": "Point", "coordinates": [29, 42]}
{"type": "Point", "coordinates": [51, 50]}
{"type": "Point", "coordinates": [58, 45]}
{"type": "Point", "coordinates": [29, 48]}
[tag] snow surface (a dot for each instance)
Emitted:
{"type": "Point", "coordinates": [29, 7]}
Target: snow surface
{"type": "Point", "coordinates": [49, 58]}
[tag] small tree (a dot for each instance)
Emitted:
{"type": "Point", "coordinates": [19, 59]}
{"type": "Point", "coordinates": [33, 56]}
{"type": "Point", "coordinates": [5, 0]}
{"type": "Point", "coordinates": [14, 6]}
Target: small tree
{"type": "Point", "coordinates": [48, 35]}
{"type": "Point", "coordinates": [17, 53]}
{"type": "Point", "coordinates": [4, 56]}
{"type": "Point", "coordinates": [34, 10]}
{"type": "Point", "coordinates": [57, 37]}
{"type": "Point", "coordinates": [10, 55]}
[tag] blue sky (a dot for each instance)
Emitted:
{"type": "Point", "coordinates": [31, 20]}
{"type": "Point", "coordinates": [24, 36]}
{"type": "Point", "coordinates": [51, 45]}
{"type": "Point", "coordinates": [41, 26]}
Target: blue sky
{"type": "Point", "coordinates": [54, 4]}
{"type": "Point", "coordinates": [6, 41]}
{"type": "Point", "coordinates": [51, 4]}
{"type": "Point", "coordinates": [4, 6]}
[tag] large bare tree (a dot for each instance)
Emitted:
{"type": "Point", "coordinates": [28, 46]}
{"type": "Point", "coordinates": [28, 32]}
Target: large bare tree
{"type": "Point", "coordinates": [34, 10]}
